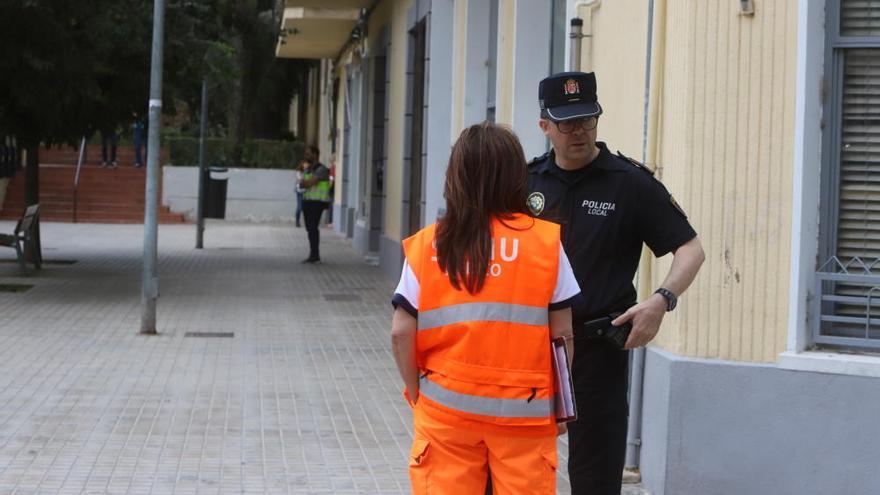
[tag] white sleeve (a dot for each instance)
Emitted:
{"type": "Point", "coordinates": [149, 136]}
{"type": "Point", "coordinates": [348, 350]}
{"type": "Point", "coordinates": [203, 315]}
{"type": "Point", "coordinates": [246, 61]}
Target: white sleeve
{"type": "Point", "coordinates": [407, 291]}
{"type": "Point", "coordinates": [566, 284]}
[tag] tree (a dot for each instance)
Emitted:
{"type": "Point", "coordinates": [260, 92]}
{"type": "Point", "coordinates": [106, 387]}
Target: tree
{"type": "Point", "coordinates": [69, 69]}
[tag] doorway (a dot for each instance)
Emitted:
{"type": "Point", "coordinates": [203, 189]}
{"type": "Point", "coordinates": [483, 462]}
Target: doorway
{"type": "Point", "coordinates": [417, 137]}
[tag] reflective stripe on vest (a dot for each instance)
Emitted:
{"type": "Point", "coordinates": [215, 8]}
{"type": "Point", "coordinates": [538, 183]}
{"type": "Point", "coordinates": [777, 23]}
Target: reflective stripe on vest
{"type": "Point", "coordinates": [486, 406]}
{"type": "Point", "coordinates": [487, 352]}
{"type": "Point", "coordinates": [318, 192]}
{"type": "Point", "coordinates": [460, 313]}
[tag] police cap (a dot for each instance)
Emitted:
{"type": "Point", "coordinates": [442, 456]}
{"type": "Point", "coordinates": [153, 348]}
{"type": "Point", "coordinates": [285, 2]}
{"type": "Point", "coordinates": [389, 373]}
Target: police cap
{"type": "Point", "coordinates": [569, 95]}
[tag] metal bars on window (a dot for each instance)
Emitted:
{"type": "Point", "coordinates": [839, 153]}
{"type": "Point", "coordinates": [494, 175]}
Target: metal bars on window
{"type": "Point", "coordinates": [847, 305]}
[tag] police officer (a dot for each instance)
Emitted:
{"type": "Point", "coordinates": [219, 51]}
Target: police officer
{"type": "Point", "coordinates": [608, 206]}
{"type": "Point", "coordinates": [316, 196]}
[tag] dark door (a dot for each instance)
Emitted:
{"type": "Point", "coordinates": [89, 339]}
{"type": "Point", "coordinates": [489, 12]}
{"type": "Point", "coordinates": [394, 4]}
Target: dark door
{"type": "Point", "coordinates": [378, 158]}
{"type": "Point", "coordinates": [417, 157]}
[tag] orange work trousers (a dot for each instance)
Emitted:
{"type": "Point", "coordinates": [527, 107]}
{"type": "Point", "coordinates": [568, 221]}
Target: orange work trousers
{"type": "Point", "coordinates": [449, 459]}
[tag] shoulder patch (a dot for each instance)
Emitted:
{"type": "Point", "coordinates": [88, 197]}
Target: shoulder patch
{"type": "Point", "coordinates": [635, 163]}
{"type": "Point", "coordinates": [535, 203]}
{"type": "Point", "coordinates": [538, 159]}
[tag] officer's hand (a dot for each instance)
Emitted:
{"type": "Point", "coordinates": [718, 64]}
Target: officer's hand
{"type": "Point", "coordinates": [646, 317]}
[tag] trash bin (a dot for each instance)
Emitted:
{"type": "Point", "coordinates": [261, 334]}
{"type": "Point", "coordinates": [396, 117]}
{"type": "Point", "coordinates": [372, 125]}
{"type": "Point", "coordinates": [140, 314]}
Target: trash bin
{"type": "Point", "coordinates": [215, 192]}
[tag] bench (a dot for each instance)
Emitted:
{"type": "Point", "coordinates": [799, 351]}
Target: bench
{"type": "Point", "coordinates": [25, 239]}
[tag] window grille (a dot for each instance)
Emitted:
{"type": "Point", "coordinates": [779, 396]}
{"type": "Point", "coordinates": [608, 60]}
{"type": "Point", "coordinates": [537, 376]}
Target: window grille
{"type": "Point", "coordinates": [847, 306]}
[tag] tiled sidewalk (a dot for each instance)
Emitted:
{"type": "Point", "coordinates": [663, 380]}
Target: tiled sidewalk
{"type": "Point", "coordinates": [304, 398]}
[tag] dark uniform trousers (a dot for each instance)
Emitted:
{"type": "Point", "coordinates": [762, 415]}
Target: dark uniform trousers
{"type": "Point", "coordinates": [312, 211]}
{"type": "Point", "coordinates": [597, 440]}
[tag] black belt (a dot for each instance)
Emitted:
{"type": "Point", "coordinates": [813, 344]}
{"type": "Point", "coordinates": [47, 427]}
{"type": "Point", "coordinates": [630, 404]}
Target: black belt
{"type": "Point", "coordinates": [602, 329]}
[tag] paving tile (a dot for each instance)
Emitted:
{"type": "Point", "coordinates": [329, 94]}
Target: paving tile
{"type": "Point", "coordinates": [305, 397]}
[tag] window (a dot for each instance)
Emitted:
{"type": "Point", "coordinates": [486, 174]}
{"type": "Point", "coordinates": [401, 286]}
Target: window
{"type": "Point", "coordinates": [558, 37]}
{"type": "Point", "coordinates": [848, 280]}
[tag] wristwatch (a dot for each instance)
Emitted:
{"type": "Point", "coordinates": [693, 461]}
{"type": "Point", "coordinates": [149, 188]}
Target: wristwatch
{"type": "Point", "coordinates": [671, 298]}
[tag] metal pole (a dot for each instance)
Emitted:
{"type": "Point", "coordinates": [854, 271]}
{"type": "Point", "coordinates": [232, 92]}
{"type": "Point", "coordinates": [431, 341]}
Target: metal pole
{"type": "Point", "coordinates": [149, 279]}
{"type": "Point", "coordinates": [637, 361]}
{"type": "Point", "coordinates": [575, 35]}
{"type": "Point", "coordinates": [79, 164]}
{"type": "Point", "coordinates": [203, 126]}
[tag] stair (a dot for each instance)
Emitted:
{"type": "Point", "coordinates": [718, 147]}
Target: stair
{"type": "Point", "coordinates": [105, 195]}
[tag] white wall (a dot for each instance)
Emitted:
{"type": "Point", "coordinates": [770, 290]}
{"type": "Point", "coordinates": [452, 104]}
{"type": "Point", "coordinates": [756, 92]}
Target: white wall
{"type": "Point", "coordinates": [438, 121]}
{"type": "Point", "coordinates": [531, 65]}
{"type": "Point", "coordinates": [253, 195]}
{"type": "Point", "coordinates": [807, 169]}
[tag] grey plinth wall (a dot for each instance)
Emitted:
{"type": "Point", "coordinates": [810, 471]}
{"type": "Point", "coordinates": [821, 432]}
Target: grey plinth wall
{"type": "Point", "coordinates": [390, 257]}
{"type": "Point", "coordinates": [361, 237]}
{"type": "Point", "coordinates": [720, 427]}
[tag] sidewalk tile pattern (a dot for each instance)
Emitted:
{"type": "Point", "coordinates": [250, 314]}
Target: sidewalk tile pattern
{"type": "Point", "coordinates": [303, 399]}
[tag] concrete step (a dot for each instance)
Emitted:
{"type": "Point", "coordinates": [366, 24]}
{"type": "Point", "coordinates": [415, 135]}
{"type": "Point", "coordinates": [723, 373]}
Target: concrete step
{"type": "Point", "coordinates": [104, 195]}
{"type": "Point", "coordinates": [98, 217]}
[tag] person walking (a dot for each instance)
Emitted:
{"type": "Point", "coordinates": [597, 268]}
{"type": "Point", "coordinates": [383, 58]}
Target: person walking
{"type": "Point", "coordinates": [609, 206]}
{"type": "Point", "coordinates": [316, 196]}
{"type": "Point", "coordinates": [482, 293]}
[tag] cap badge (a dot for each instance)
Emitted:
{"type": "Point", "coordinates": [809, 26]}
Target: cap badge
{"type": "Point", "coordinates": [535, 203]}
{"type": "Point", "coordinates": [571, 87]}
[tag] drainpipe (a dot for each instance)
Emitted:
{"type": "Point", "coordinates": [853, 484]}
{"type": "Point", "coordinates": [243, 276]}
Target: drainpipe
{"type": "Point", "coordinates": [575, 35]}
{"type": "Point", "coordinates": [588, 7]}
{"type": "Point", "coordinates": [653, 82]}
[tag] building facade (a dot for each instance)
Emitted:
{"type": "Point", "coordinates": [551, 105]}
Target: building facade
{"type": "Point", "coordinates": [763, 119]}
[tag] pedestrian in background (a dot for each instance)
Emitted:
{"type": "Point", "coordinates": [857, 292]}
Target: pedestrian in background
{"type": "Point", "coordinates": [108, 141]}
{"type": "Point", "coordinates": [609, 206]}
{"type": "Point", "coordinates": [138, 128]}
{"type": "Point", "coordinates": [316, 196]}
{"type": "Point", "coordinates": [299, 191]}
{"type": "Point", "coordinates": [482, 293]}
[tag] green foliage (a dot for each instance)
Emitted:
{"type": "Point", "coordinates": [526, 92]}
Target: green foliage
{"type": "Point", "coordinates": [257, 153]}
{"type": "Point", "coordinates": [68, 69]}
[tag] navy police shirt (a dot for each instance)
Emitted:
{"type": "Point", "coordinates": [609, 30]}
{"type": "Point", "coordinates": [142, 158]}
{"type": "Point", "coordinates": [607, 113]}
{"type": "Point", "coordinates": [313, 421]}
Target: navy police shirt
{"type": "Point", "coordinates": [607, 210]}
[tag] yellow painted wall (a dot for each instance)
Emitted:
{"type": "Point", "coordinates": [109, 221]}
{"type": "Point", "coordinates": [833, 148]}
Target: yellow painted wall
{"type": "Point", "coordinates": [379, 18]}
{"type": "Point", "coordinates": [339, 73]}
{"type": "Point", "coordinates": [618, 57]}
{"type": "Point", "coordinates": [506, 60]}
{"type": "Point", "coordinates": [325, 91]}
{"type": "Point", "coordinates": [725, 149]}
{"type": "Point", "coordinates": [313, 112]}
{"type": "Point", "coordinates": [396, 114]}
{"type": "Point", "coordinates": [459, 44]}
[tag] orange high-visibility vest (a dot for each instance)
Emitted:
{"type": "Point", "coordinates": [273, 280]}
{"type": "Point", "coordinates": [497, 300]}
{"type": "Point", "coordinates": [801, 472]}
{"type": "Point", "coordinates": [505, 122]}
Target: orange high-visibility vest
{"type": "Point", "coordinates": [486, 356]}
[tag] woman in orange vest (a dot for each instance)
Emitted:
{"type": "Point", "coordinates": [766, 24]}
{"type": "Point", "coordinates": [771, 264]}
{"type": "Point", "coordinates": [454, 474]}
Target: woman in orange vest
{"type": "Point", "coordinates": [482, 293]}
